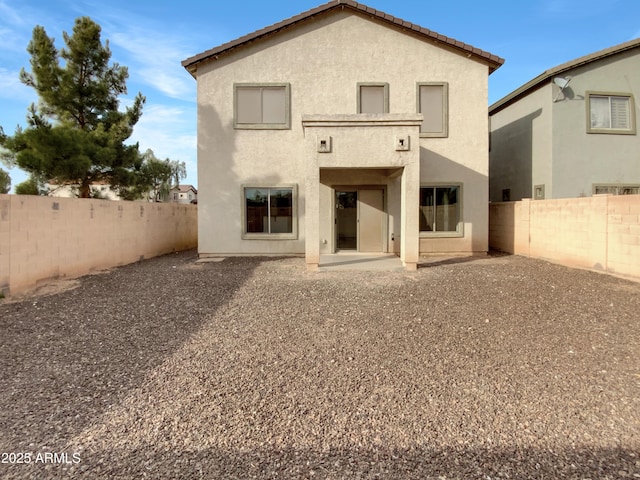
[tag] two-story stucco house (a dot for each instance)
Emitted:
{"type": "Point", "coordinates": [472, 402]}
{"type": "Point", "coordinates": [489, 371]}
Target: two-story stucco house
{"type": "Point", "coordinates": [183, 194]}
{"type": "Point", "coordinates": [342, 128]}
{"type": "Point", "coordinates": [571, 131]}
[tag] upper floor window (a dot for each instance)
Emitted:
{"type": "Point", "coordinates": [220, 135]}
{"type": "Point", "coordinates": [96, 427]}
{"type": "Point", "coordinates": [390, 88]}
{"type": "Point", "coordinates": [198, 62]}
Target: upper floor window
{"type": "Point", "coordinates": [373, 98]}
{"type": "Point", "coordinates": [262, 106]}
{"type": "Point", "coordinates": [433, 104]}
{"type": "Point", "coordinates": [610, 113]}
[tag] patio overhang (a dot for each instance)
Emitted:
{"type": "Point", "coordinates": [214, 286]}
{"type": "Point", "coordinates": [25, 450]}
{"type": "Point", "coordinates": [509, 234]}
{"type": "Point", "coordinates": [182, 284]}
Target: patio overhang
{"type": "Point", "coordinates": [364, 142]}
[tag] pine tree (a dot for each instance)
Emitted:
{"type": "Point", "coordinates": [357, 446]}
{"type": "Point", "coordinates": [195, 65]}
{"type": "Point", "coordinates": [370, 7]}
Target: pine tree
{"type": "Point", "coordinates": [76, 134]}
{"type": "Point", "coordinates": [5, 182]}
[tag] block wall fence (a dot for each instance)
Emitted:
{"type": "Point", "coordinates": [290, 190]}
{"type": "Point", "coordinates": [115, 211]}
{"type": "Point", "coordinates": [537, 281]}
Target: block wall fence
{"type": "Point", "coordinates": [45, 237]}
{"type": "Point", "coordinates": [598, 233]}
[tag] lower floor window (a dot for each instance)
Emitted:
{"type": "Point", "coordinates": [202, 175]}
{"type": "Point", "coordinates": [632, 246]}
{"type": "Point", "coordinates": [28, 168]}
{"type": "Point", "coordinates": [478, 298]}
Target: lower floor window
{"type": "Point", "coordinates": [613, 189]}
{"type": "Point", "coordinates": [269, 211]}
{"type": "Point", "coordinates": [440, 209]}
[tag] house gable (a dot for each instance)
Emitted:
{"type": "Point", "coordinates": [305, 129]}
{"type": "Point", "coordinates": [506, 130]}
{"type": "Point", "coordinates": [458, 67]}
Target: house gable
{"type": "Point", "coordinates": [493, 61]}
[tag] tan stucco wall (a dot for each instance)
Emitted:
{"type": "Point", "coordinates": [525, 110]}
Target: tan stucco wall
{"type": "Point", "coordinates": [44, 237]}
{"type": "Point", "coordinates": [599, 233]}
{"type": "Point", "coordinates": [581, 159]}
{"type": "Point", "coordinates": [324, 60]}
{"type": "Point", "coordinates": [377, 163]}
{"type": "Point", "coordinates": [521, 146]}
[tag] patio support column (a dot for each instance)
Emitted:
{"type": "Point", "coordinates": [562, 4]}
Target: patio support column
{"type": "Point", "coordinates": [312, 217]}
{"type": "Point", "coordinates": [409, 219]}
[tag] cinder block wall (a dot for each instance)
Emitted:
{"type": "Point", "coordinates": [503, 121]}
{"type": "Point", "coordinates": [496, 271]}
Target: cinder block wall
{"type": "Point", "coordinates": [599, 233]}
{"type": "Point", "coordinates": [47, 237]}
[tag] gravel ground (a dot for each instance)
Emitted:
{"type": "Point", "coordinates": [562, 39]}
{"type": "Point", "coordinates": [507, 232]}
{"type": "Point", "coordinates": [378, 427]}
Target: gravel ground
{"type": "Point", "coordinates": [500, 367]}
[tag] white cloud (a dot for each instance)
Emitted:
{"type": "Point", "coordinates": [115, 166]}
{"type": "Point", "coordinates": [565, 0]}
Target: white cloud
{"type": "Point", "coordinates": [10, 15]}
{"type": "Point", "coordinates": [13, 89]}
{"type": "Point", "coordinates": [12, 42]}
{"type": "Point", "coordinates": [154, 58]}
{"type": "Point", "coordinates": [169, 132]}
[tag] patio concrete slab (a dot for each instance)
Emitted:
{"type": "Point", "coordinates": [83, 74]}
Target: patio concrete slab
{"type": "Point", "coordinates": [361, 262]}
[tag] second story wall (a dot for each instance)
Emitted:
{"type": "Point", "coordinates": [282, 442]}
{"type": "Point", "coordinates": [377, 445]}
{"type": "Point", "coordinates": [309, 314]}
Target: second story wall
{"type": "Point", "coordinates": [575, 142]}
{"type": "Point", "coordinates": [323, 61]}
{"type": "Point", "coordinates": [582, 159]}
{"type": "Point", "coordinates": [521, 147]}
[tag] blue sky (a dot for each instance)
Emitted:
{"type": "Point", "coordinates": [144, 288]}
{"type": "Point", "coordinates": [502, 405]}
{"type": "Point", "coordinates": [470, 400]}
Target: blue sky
{"type": "Point", "coordinates": [151, 38]}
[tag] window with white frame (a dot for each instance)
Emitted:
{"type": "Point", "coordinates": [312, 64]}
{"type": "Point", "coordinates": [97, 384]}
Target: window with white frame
{"type": "Point", "coordinates": [610, 113]}
{"type": "Point", "coordinates": [269, 212]}
{"type": "Point", "coordinates": [616, 189]}
{"type": "Point", "coordinates": [262, 106]}
{"type": "Point", "coordinates": [373, 98]}
{"type": "Point", "coordinates": [433, 104]}
{"type": "Point", "coordinates": [440, 210]}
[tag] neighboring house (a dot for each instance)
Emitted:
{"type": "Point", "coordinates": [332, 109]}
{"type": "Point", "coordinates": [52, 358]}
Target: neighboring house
{"type": "Point", "coordinates": [98, 190]}
{"type": "Point", "coordinates": [342, 128]}
{"type": "Point", "coordinates": [183, 194]}
{"type": "Point", "coordinates": [571, 131]}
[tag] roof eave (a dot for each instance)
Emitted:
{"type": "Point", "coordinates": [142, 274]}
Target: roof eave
{"type": "Point", "coordinates": [560, 69]}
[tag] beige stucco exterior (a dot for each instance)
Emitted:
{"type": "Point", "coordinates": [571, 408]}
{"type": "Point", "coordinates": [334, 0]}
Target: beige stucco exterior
{"type": "Point", "coordinates": [541, 137]}
{"type": "Point", "coordinates": [323, 59]}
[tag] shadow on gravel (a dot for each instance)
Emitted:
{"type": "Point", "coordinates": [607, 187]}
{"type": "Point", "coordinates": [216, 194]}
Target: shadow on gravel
{"type": "Point", "coordinates": [416, 464]}
{"type": "Point", "coordinates": [67, 358]}
{"type": "Point", "coordinates": [462, 259]}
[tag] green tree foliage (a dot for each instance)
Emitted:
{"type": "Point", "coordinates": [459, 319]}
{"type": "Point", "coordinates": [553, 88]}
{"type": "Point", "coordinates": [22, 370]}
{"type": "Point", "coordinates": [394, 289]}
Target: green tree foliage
{"type": "Point", "coordinates": [76, 134]}
{"type": "Point", "coordinates": [157, 177]}
{"type": "Point", "coordinates": [28, 187]}
{"type": "Point", "coordinates": [5, 182]}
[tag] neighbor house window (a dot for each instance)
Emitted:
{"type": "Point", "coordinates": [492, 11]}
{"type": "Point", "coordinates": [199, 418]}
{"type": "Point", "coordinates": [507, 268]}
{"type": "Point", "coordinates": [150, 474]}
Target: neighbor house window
{"type": "Point", "coordinates": [373, 98]}
{"type": "Point", "coordinates": [269, 212]}
{"type": "Point", "coordinates": [440, 210]}
{"type": "Point", "coordinates": [616, 189]}
{"type": "Point", "coordinates": [610, 113]}
{"type": "Point", "coordinates": [262, 106]}
{"type": "Point", "coordinates": [433, 104]}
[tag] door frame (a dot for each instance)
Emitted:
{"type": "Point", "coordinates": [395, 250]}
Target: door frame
{"type": "Point", "coordinates": [385, 223]}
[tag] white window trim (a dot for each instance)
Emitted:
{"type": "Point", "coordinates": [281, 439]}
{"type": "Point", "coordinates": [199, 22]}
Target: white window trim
{"type": "Point", "coordinates": [460, 227]}
{"type": "Point", "coordinates": [445, 109]}
{"type": "Point", "coordinates": [262, 126]}
{"type": "Point", "coordinates": [612, 131]}
{"type": "Point", "coordinates": [617, 186]}
{"type": "Point", "coordinates": [270, 236]}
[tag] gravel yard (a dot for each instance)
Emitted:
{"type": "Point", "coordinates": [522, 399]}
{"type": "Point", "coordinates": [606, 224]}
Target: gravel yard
{"type": "Point", "coordinates": [499, 367]}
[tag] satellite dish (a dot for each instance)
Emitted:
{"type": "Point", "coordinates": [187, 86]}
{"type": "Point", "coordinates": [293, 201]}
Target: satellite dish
{"type": "Point", "coordinates": [562, 83]}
